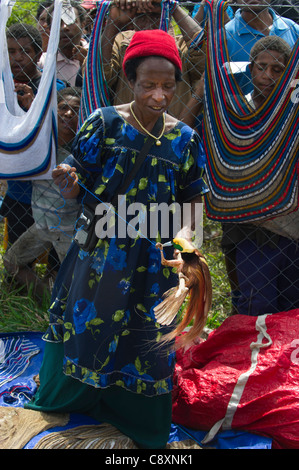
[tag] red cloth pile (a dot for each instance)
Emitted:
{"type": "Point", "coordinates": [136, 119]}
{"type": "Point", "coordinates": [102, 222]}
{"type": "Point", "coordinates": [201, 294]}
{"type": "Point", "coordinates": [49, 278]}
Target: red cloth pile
{"type": "Point", "coordinates": [245, 376]}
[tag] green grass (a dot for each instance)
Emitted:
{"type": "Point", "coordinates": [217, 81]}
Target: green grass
{"type": "Point", "coordinates": [19, 312]}
{"type": "Point", "coordinates": [211, 249]}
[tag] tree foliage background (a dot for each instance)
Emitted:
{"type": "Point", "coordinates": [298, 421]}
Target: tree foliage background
{"type": "Point", "coordinates": [23, 12]}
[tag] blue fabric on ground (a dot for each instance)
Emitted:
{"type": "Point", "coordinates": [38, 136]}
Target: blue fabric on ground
{"type": "Point", "coordinates": [18, 386]}
{"type": "Point", "coordinates": [19, 390]}
{"type": "Point", "coordinates": [223, 440]}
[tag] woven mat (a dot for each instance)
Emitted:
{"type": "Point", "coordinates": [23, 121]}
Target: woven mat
{"type": "Point", "coordinates": [18, 425]}
{"type": "Point", "coordinates": [103, 436]}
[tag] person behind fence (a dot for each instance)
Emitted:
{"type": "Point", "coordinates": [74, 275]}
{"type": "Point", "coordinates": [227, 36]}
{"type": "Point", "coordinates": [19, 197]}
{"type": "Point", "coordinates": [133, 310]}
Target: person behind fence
{"type": "Point", "coordinates": [286, 8]}
{"type": "Point", "coordinates": [24, 44]}
{"type": "Point", "coordinates": [146, 15]}
{"type": "Point", "coordinates": [24, 48]}
{"type": "Point", "coordinates": [42, 22]}
{"type": "Point", "coordinates": [103, 355]}
{"type": "Point", "coordinates": [199, 12]}
{"type": "Point", "coordinates": [253, 21]}
{"type": "Point", "coordinates": [91, 10]}
{"type": "Point", "coordinates": [262, 265]}
{"type": "Point", "coordinates": [72, 48]}
{"type": "Point", "coordinates": [250, 23]}
{"type": "Point", "coordinates": [54, 217]}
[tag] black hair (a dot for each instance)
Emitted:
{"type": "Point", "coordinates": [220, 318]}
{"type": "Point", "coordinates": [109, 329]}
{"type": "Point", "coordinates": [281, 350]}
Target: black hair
{"type": "Point", "coordinates": [43, 6]}
{"type": "Point", "coordinates": [23, 30]}
{"type": "Point", "coordinates": [68, 91]}
{"type": "Point", "coordinates": [131, 66]}
{"type": "Point", "coordinates": [74, 4]}
{"type": "Point", "coordinates": [271, 43]}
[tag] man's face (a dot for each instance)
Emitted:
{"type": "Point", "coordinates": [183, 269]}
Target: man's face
{"type": "Point", "coordinates": [43, 26]}
{"type": "Point", "coordinates": [266, 70]}
{"type": "Point", "coordinates": [70, 34]}
{"type": "Point", "coordinates": [23, 58]}
{"type": "Point", "coordinates": [67, 113]}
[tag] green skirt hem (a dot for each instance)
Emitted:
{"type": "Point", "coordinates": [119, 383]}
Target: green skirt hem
{"type": "Point", "coordinates": [146, 420]}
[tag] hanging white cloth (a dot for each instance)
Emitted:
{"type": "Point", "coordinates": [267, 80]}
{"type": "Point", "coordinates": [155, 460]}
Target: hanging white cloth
{"type": "Point", "coordinates": [28, 140]}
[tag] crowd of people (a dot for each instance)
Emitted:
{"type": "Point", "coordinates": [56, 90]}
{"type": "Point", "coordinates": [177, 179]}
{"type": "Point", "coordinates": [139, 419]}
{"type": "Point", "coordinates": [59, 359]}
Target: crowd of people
{"type": "Point", "coordinates": [103, 355]}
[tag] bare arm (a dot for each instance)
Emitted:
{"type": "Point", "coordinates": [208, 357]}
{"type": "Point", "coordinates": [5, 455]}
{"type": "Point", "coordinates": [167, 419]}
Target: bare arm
{"type": "Point", "coordinates": [120, 17]}
{"type": "Point", "coordinates": [200, 14]}
{"type": "Point", "coordinates": [195, 105]}
{"type": "Point", "coordinates": [122, 13]}
{"type": "Point", "coordinates": [188, 25]}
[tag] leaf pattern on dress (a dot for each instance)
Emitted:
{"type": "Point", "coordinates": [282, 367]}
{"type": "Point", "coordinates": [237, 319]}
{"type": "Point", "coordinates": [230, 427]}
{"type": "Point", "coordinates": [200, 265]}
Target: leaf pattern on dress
{"type": "Point", "coordinates": [103, 302]}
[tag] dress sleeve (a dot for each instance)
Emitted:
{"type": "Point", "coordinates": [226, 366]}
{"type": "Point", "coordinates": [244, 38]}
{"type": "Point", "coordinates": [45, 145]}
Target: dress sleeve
{"type": "Point", "coordinates": [192, 182]}
{"type": "Point", "coordinates": [87, 150]}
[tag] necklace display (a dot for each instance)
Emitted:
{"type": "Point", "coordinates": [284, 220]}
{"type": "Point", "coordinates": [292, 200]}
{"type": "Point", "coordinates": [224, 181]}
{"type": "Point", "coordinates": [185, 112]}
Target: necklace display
{"type": "Point", "coordinates": [157, 139]}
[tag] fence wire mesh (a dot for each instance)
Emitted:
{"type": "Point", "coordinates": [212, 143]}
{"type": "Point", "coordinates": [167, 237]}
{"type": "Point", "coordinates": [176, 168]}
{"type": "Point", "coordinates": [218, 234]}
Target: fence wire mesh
{"type": "Point", "coordinates": [253, 270]}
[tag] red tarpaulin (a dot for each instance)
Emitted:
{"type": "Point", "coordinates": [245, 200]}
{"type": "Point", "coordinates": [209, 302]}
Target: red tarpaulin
{"type": "Point", "coordinates": [245, 376]}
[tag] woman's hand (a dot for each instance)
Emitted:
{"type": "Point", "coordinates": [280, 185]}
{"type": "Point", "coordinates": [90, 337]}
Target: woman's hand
{"type": "Point", "coordinates": [66, 178]}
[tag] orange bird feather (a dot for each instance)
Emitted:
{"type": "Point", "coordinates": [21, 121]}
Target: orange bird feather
{"type": "Point", "coordinates": [194, 286]}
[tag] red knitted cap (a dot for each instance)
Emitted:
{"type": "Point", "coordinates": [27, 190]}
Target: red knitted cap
{"type": "Point", "coordinates": [153, 42]}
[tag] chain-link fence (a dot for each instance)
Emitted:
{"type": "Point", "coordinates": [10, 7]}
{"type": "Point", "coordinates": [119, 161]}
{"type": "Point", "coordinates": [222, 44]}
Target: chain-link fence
{"type": "Point", "coordinates": [253, 270]}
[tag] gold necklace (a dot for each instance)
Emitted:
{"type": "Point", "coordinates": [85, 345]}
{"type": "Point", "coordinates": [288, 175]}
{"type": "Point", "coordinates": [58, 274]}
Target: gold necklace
{"type": "Point", "coordinates": [157, 139]}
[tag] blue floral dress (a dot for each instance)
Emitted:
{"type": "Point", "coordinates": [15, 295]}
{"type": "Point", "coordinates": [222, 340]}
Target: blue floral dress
{"type": "Point", "coordinates": [102, 308]}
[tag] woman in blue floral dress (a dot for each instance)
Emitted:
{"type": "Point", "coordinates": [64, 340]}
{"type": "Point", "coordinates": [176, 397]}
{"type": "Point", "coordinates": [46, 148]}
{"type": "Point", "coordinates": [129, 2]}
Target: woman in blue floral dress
{"type": "Point", "coordinates": [103, 331]}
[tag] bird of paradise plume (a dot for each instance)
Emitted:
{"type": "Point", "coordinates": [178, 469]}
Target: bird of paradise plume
{"type": "Point", "coordinates": [194, 287]}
